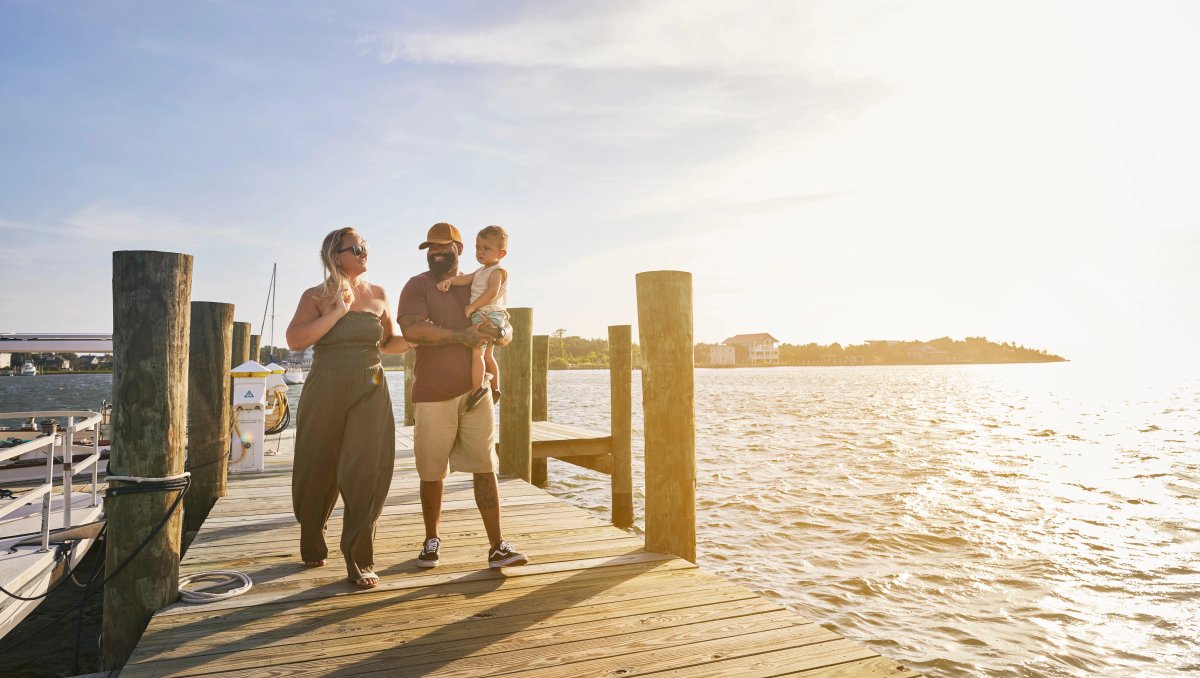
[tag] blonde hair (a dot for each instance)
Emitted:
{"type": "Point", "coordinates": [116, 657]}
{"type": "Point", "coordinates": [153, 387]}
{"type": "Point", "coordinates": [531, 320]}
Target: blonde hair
{"type": "Point", "coordinates": [496, 233]}
{"type": "Point", "coordinates": [335, 281]}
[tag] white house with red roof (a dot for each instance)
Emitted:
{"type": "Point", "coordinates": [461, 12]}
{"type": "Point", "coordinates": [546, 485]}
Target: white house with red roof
{"type": "Point", "coordinates": [763, 349]}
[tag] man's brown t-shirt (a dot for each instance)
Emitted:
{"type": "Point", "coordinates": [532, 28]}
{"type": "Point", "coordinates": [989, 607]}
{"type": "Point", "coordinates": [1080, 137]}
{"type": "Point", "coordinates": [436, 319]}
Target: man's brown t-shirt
{"type": "Point", "coordinates": [442, 372]}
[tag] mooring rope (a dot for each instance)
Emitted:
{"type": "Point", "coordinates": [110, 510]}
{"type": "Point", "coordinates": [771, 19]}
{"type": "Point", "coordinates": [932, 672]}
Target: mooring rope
{"type": "Point", "coordinates": [195, 596]}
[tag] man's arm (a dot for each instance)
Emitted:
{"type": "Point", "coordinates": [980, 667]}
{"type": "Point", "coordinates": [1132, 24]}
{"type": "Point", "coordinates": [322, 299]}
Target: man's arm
{"type": "Point", "coordinates": [420, 332]}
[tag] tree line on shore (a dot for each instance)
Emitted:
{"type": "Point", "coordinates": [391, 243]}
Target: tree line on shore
{"type": "Point", "coordinates": [570, 352]}
{"type": "Point", "coordinates": [943, 350]}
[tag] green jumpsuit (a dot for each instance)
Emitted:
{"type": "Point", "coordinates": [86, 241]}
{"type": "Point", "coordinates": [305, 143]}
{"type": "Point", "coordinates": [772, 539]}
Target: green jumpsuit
{"type": "Point", "coordinates": [345, 442]}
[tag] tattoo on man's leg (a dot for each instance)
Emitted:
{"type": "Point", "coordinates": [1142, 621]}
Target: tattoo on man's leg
{"type": "Point", "coordinates": [486, 496]}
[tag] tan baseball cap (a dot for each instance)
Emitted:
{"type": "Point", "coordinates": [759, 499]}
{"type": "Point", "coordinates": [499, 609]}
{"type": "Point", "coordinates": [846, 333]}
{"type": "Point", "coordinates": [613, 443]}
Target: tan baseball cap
{"type": "Point", "coordinates": [441, 233]}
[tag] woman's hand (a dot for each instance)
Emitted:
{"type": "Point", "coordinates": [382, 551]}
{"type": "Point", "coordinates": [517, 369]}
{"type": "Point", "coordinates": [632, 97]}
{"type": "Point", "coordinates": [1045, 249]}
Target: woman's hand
{"type": "Point", "coordinates": [316, 315]}
{"type": "Point", "coordinates": [339, 305]}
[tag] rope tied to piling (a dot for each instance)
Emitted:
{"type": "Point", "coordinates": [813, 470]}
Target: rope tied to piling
{"type": "Point", "coordinates": [141, 485]}
{"type": "Point", "coordinates": [181, 481]}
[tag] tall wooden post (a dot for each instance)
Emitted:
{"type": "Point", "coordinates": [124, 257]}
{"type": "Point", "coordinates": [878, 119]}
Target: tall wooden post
{"type": "Point", "coordinates": [668, 392]}
{"type": "Point", "coordinates": [516, 439]}
{"type": "Point", "coordinates": [241, 344]}
{"type": "Point", "coordinates": [150, 385]}
{"type": "Point", "coordinates": [620, 380]}
{"type": "Point", "coordinates": [410, 373]}
{"type": "Point", "coordinates": [255, 340]}
{"type": "Point", "coordinates": [208, 408]}
{"type": "Point", "coordinates": [541, 362]}
{"type": "Point", "coordinates": [541, 406]}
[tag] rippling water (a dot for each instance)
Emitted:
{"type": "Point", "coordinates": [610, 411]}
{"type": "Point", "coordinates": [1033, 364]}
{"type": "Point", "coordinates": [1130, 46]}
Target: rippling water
{"type": "Point", "coordinates": [1002, 520]}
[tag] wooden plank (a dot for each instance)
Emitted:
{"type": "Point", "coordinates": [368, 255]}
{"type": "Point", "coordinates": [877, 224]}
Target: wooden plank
{"type": "Point", "coordinates": [875, 667]}
{"type": "Point", "coordinates": [628, 582]}
{"type": "Point", "coordinates": [648, 572]}
{"type": "Point", "coordinates": [536, 620]}
{"type": "Point", "coordinates": [470, 656]}
{"type": "Point", "coordinates": [572, 448]}
{"type": "Point", "coordinates": [601, 463]}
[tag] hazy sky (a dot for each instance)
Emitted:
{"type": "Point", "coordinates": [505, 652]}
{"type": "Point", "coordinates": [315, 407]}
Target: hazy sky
{"type": "Point", "coordinates": [828, 171]}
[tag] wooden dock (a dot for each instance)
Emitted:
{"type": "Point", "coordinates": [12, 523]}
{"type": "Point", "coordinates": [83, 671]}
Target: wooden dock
{"type": "Point", "coordinates": [592, 600]}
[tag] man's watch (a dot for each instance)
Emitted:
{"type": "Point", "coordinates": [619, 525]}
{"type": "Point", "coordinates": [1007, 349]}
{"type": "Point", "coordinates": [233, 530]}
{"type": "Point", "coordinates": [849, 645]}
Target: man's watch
{"type": "Point", "coordinates": [500, 332]}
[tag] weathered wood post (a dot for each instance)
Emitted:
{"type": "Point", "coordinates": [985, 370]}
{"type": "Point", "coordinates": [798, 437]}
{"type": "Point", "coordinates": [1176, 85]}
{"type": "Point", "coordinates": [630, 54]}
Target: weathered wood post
{"type": "Point", "coordinates": [620, 381]}
{"type": "Point", "coordinates": [541, 407]}
{"type": "Point", "coordinates": [255, 340]}
{"type": "Point", "coordinates": [541, 362]}
{"type": "Point", "coordinates": [241, 345]}
{"type": "Point", "coordinates": [208, 408]}
{"type": "Point", "coordinates": [668, 390]}
{"type": "Point", "coordinates": [516, 440]}
{"type": "Point", "coordinates": [410, 373]}
{"type": "Point", "coordinates": [150, 384]}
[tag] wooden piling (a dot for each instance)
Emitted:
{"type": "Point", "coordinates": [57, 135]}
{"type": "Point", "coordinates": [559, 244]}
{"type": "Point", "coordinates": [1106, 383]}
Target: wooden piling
{"type": "Point", "coordinates": [241, 345]}
{"type": "Point", "coordinates": [541, 406]}
{"type": "Point", "coordinates": [620, 380]}
{"type": "Point", "coordinates": [151, 317]}
{"type": "Point", "coordinates": [516, 403]}
{"type": "Point", "coordinates": [410, 373]}
{"type": "Point", "coordinates": [255, 341]}
{"type": "Point", "coordinates": [208, 408]}
{"type": "Point", "coordinates": [668, 392]}
{"type": "Point", "coordinates": [541, 362]}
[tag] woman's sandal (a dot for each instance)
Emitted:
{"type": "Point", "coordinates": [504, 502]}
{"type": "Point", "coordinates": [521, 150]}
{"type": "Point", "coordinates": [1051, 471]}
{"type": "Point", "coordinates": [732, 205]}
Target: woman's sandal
{"type": "Point", "coordinates": [368, 580]}
{"type": "Point", "coordinates": [314, 563]}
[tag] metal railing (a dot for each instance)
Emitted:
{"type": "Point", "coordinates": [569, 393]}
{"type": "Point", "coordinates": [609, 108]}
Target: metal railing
{"type": "Point", "coordinates": [63, 440]}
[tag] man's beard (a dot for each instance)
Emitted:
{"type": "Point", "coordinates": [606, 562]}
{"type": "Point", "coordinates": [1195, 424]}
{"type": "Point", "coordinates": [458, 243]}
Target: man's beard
{"type": "Point", "coordinates": [441, 263]}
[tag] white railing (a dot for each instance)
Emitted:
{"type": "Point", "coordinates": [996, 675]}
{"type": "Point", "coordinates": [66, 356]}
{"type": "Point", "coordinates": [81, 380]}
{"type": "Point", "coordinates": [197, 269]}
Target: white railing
{"type": "Point", "coordinates": [76, 421]}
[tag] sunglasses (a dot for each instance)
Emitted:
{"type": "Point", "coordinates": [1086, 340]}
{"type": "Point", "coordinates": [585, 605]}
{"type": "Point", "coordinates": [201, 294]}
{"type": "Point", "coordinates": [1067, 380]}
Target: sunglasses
{"type": "Point", "coordinates": [356, 250]}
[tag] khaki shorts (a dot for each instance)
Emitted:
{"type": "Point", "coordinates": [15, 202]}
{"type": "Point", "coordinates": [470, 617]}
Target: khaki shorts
{"type": "Point", "coordinates": [448, 438]}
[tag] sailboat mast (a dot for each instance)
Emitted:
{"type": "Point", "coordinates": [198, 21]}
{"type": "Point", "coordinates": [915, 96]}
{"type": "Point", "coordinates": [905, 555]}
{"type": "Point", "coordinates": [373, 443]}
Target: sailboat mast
{"type": "Point", "coordinates": [270, 305]}
{"type": "Point", "coordinates": [274, 268]}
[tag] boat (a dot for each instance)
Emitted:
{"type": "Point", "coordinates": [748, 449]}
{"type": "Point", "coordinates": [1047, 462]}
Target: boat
{"type": "Point", "coordinates": [33, 557]}
{"type": "Point", "coordinates": [294, 374]}
{"type": "Point", "coordinates": [28, 370]}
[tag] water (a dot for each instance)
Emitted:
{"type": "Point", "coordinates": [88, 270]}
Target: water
{"type": "Point", "coordinates": [1001, 520]}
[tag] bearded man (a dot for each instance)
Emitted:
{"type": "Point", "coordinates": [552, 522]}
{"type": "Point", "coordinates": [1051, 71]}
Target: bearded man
{"type": "Point", "coordinates": [448, 436]}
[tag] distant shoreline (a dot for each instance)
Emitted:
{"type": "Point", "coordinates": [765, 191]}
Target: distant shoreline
{"type": "Point", "coordinates": [698, 366]}
{"type": "Point", "coordinates": [832, 364]}
{"type": "Point", "coordinates": [59, 372]}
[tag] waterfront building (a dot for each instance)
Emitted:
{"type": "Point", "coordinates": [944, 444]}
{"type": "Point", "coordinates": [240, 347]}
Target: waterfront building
{"type": "Point", "coordinates": [761, 348]}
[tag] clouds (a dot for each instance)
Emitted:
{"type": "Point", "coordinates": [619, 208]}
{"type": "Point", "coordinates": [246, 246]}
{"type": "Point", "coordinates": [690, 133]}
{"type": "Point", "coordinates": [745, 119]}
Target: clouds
{"type": "Point", "coordinates": [736, 38]}
{"type": "Point", "coordinates": [827, 170]}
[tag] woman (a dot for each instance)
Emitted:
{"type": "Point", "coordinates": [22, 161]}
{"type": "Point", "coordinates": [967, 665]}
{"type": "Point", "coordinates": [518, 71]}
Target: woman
{"type": "Point", "coordinates": [345, 431]}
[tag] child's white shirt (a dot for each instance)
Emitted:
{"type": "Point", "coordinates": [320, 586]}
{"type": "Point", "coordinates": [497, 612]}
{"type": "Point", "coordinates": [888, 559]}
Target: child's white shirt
{"type": "Point", "coordinates": [479, 285]}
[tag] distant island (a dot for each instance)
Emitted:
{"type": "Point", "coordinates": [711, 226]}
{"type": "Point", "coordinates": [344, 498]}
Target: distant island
{"type": "Point", "coordinates": [743, 350]}
{"type": "Point", "coordinates": [760, 349]}
{"type": "Point", "coordinates": [757, 350]}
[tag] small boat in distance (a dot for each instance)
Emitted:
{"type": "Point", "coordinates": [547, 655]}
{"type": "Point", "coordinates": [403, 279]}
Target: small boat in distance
{"type": "Point", "coordinates": [294, 374]}
{"type": "Point", "coordinates": [28, 370]}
